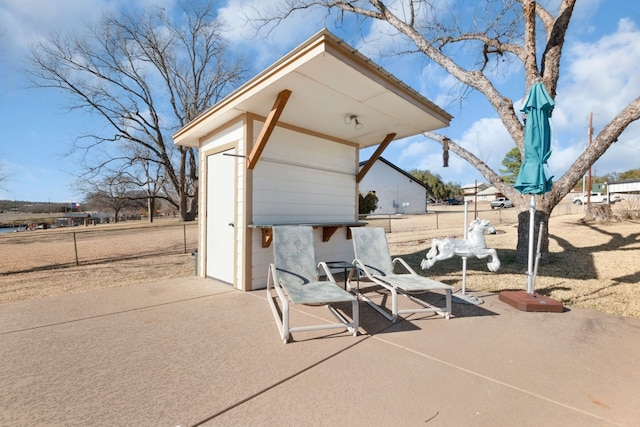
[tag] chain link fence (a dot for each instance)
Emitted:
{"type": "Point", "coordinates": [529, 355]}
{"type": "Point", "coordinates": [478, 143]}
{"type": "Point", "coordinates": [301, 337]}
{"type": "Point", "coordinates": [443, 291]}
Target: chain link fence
{"type": "Point", "coordinates": [27, 251]}
{"type": "Point", "coordinates": [448, 221]}
{"type": "Point", "coordinates": [45, 249]}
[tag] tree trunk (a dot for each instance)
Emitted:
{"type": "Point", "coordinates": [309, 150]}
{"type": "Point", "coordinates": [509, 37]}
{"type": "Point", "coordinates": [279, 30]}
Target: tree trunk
{"type": "Point", "coordinates": [599, 212]}
{"type": "Point", "coordinates": [193, 211]}
{"type": "Point", "coordinates": [150, 204]}
{"type": "Point", "coordinates": [522, 251]}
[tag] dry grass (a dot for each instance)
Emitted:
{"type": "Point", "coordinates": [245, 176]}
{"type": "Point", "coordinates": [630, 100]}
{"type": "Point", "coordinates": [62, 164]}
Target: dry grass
{"type": "Point", "coordinates": [594, 266]}
{"type": "Point", "coordinates": [112, 274]}
{"type": "Point", "coordinates": [56, 247]}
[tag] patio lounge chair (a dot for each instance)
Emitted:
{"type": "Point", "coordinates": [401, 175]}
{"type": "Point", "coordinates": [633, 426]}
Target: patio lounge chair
{"type": "Point", "coordinates": [374, 260]}
{"type": "Point", "coordinates": [294, 277]}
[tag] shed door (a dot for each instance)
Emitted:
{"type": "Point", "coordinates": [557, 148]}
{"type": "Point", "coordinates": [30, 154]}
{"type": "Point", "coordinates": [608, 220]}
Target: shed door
{"type": "Point", "coordinates": [220, 217]}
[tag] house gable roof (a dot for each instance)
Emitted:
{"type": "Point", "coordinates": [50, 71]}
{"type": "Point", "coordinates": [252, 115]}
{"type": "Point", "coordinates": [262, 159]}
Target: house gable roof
{"type": "Point", "coordinates": [403, 172]}
{"type": "Point", "coordinates": [328, 80]}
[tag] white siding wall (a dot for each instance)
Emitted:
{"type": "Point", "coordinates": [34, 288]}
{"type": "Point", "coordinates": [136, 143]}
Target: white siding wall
{"type": "Point", "coordinates": [624, 187]}
{"type": "Point", "coordinates": [303, 179]}
{"type": "Point", "coordinates": [393, 189]}
{"type": "Point", "coordinates": [300, 178]}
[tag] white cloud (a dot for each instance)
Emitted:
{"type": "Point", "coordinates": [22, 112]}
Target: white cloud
{"type": "Point", "coordinates": [487, 138]}
{"type": "Point", "coordinates": [27, 21]}
{"type": "Point", "coordinates": [602, 77]}
{"type": "Point", "coordinates": [268, 43]}
{"type": "Point", "coordinates": [24, 22]}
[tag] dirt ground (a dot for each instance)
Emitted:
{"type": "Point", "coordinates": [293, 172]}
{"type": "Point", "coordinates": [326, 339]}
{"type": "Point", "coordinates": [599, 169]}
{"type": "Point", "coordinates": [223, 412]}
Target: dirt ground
{"type": "Point", "coordinates": [593, 266]}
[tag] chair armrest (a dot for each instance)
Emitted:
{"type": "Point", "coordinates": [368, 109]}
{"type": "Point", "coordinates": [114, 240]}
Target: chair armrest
{"type": "Point", "coordinates": [360, 265]}
{"type": "Point", "coordinates": [404, 264]}
{"type": "Point", "coordinates": [327, 272]}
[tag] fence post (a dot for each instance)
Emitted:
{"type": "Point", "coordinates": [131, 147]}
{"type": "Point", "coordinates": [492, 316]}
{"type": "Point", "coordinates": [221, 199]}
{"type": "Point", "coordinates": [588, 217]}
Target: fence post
{"type": "Point", "coordinates": [437, 224]}
{"type": "Point", "coordinates": [75, 248]}
{"type": "Point", "coordinates": [184, 236]}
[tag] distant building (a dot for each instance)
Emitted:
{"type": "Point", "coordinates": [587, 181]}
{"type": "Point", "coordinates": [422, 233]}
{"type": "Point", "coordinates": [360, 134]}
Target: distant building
{"type": "Point", "coordinates": [469, 191]}
{"type": "Point", "coordinates": [398, 192]}
{"type": "Point", "coordinates": [72, 219]}
{"type": "Point", "coordinates": [631, 186]}
{"type": "Point", "coordinates": [627, 189]}
{"type": "Point", "coordinates": [489, 194]}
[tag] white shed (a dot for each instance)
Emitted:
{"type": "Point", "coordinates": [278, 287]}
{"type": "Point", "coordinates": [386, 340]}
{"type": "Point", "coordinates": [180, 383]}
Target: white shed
{"type": "Point", "coordinates": [629, 186]}
{"type": "Point", "coordinates": [283, 149]}
{"type": "Point", "coordinates": [397, 191]}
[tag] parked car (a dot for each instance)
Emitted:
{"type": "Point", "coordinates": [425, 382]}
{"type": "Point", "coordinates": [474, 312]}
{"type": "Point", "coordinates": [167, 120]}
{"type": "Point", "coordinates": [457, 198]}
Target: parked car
{"type": "Point", "coordinates": [452, 202]}
{"type": "Point", "coordinates": [501, 202]}
{"type": "Point", "coordinates": [597, 198]}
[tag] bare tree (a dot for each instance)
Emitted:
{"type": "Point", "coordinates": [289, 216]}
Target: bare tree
{"type": "Point", "coordinates": [3, 177]}
{"type": "Point", "coordinates": [146, 74]}
{"type": "Point", "coordinates": [499, 33]}
{"type": "Point", "coordinates": [148, 177]}
{"type": "Point", "coordinates": [113, 192]}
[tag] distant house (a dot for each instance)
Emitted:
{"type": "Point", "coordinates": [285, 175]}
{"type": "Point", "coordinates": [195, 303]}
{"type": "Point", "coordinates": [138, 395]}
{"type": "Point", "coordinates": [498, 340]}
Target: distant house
{"type": "Point", "coordinates": [631, 186]}
{"type": "Point", "coordinates": [469, 191]}
{"type": "Point", "coordinates": [82, 218]}
{"type": "Point", "coordinates": [398, 192]}
{"type": "Point", "coordinates": [489, 194]}
{"type": "Point", "coordinates": [628, 189]}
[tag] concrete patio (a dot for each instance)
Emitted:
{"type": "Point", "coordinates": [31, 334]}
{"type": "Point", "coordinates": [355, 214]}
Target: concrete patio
{"type": "Point", "coordinates": [195, 352]}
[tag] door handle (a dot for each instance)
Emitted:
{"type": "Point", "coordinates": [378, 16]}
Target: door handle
{"type": "Point", "coordinates": [231, 224]}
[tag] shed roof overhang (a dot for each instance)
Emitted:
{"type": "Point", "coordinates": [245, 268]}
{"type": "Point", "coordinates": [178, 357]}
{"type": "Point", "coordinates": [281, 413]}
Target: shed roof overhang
{"type": "Point", "coordinates": [328, 80]}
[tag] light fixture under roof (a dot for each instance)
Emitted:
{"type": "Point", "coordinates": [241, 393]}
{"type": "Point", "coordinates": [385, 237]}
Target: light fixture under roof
{"type": "Point", "coordinates": [349, 118]}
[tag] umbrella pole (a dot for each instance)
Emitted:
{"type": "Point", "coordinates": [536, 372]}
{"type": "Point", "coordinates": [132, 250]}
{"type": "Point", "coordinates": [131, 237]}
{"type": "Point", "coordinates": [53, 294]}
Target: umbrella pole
{"type": "Point", "coordinates": [538, 255]}
{"type": "Point", "coordinates": [464, 258]}
{"type": "Point", "coordinates": [532, 215]}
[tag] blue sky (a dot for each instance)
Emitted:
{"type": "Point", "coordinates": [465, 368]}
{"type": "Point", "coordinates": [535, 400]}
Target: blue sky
{"type": "Point", "coordinates": [599, 76]}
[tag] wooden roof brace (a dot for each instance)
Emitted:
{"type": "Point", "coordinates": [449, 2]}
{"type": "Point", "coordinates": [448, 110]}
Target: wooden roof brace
{"type": "Point", "coordinates": [383, 145]}
{"type": "Point", "coordinates": [269, 124]}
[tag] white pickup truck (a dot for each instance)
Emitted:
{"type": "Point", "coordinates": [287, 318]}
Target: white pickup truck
{"type": "Point", "coordinates": [501, 202]}
{"type": "Point", "coordinates": [597, 198]}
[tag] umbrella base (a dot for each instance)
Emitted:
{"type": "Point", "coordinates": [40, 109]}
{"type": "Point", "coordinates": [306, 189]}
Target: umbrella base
{"type": "Point", "coordinates": [525, 301]}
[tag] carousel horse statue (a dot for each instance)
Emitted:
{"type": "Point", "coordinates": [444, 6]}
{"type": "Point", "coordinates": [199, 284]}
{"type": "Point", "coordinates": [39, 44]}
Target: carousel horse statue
{"type": "Point", "coordinates": [473, 246]}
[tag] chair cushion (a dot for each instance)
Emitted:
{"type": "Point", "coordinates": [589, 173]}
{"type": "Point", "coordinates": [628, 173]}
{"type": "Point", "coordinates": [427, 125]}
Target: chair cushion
{"type": "Point", "coordinates": [371, 248]}
{"type": "Point", "coordinates": [413, 282]}
{"type": "Point", "coordinates": [320, 292]}
{"type": "Point", "coordinates": [293, 252]}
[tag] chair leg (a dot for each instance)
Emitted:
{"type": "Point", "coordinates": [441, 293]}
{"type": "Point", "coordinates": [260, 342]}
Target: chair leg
{"type": "Point", "coordinates": [394, 305]}
{"type": "Point", "coordinates": [285, 321]}
{"type": "Point", "coordinates": [281, 322]}
{"type": "Point", "coordinates": [355, 317]}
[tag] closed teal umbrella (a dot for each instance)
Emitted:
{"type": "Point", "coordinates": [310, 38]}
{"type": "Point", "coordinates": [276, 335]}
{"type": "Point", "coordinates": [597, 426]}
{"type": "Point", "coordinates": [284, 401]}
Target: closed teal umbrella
{"type": "Point", "coordinates": [532, 178]}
